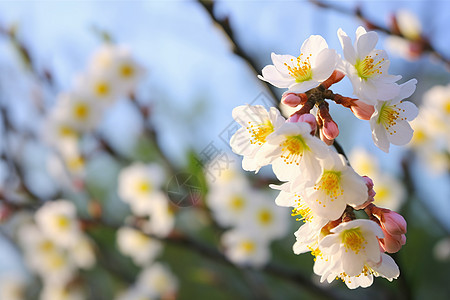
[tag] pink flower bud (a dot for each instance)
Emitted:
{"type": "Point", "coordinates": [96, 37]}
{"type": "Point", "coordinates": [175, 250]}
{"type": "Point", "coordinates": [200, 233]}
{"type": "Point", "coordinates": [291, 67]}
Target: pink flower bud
{"type": "Point", "coordinates": [392, 243]}
{"type": "Point", "coordinates": [392, 222]}
{"type": "Point", "coordinates": [330, 129]}
{"type": "Point", "coordinates": [362, 110]}
{"type": "Point", "coordinates": [325, 139]}
{"type": "Point", "coordinates": [293, 118]}
{"type": "Point", "coordinates": [294, 100]}
{"type": "Point", "coordinates": [311, 120]}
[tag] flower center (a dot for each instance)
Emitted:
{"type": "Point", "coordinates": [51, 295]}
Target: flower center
{"type": "Point", "coordinates": [66, 131]}
{"type": "Point", "coordinates": [144, 187]}
{"type": "Point", "coordinates": [382, 194]}
{"type": "Point", "coordinates": [75, 163]}
{"type": "Point", "coordinates": [62, 222]}
{"type": "Point", "coordinates": [353, 239]}
{"type": "Point", "coordinates": [293, 148]}
{"type": "Point", "coordinates": [126, 71]}
{"type": "Point", "coordinates": [369, 67]}
{"type": "Point", "coordinates": [265, 216]}
{"type": "Point", "coordinates": [81, 111]}
{"type": "Point", "coordinates": [447, 107]}
{"type": "Point", "coordinates": [300, 68]}
{"type": "Point", "coordinates": [301, 210]}
{"type": "Point", "coordinates": [102, 88]}
{"type": "Point", "coordinates": [248, 246]}
{"type": "Point", "coordinates": [259, 132]}
{"type": "Point", "coordinates": [237, 203]}
{"type": "Point", "coordinates": [389, 115]}
{"type": "Point", "coordinates": [330, 184]}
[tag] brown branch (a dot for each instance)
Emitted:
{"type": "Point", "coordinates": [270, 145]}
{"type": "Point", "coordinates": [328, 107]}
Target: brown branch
{"type": "Point", "coordinates": [424, 42]}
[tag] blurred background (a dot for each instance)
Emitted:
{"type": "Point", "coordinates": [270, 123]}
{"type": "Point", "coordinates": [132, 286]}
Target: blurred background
{"type": "Point", "coordinates": [196, 62]}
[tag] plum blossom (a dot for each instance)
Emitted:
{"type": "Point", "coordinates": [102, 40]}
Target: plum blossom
{"type": "Point", "coordinates": [299, 74]}
{"type": "Point", "coordinates": [367, 67]}
{"type": "Point", "coordinates": [291, 149]}
{"type": "Point", "coordinates": [246, 248]}
{"type": "Point", "coordinates": [257, 124]}
{"type": "Point", "coordinates": [337, 186]}
{"type": "Point", "coordinates": [389, 123]}
{"type": "Point", "coordinates": [352, 245]}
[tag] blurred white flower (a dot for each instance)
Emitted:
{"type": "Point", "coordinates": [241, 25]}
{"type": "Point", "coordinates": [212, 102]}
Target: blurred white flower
{"type": "Point", "coordinates": [441, 250]}
{"type": "Point", "coordinates": [408, 24]}
{"type": "Point", "coordinates": [231, 204]}
{"type": "Point", "coordinates": [12, 287]}
{"type": "Point", "coordinates": [82, 253]}
{"type": "Point", "coordinates": [102, 87]}
{"type": "Point", "coordinates": [390, 192]}
{"type": "Point", "coordinates": [367, 67]}
{"type": "Point", "coordinates": [140, 247]}
{"type": "Point", "coordinates": [162, 219]}
{"type": "Point", "coordinates": [61, 292]}
{"type": "Point", "coordinates": [140, 185]}
{"type": "Point", "coordinates": [58, 221]}
{"type": "Point", "coordinates": [157, 281]}
{"type": "Point", "coordinates": [245, 248]}
{"type": "Point", "coordinates": [299, 74]}
{"type": "Point", "coordinates": [363, 162]}
{"type": "Point", "coordinates": [119, 63]}
{"type": "Point", "coordinates": [264, 218]}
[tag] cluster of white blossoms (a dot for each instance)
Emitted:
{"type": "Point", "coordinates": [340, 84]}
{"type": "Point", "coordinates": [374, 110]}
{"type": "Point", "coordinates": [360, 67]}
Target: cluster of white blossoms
{"type": "Point", "coordinates": [319, 184]}
{"type": "Point", "coordinates": [431, 138]}
{"type": "Point", "coordinates": [111, 75]}
{"type": "Point", "coordinates": [55, 248]}
{"type": "Point", "coordinates": [252, 219]}
{"type": "Point", "coordinates": [140, 185]}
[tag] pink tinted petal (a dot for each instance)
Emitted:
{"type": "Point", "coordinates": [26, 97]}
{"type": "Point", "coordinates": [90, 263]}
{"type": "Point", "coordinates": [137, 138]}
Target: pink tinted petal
{"type": "Point", "coordinates": [291, 100]}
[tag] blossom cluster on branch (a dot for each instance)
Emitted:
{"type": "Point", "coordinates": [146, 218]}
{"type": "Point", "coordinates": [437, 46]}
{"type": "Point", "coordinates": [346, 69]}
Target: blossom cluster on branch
{"type": "Point", "coordinates": [319, 184]}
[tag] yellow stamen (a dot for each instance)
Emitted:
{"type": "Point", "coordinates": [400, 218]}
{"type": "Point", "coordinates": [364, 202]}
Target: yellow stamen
{"type": "Point", "coordinates": [300, 68]}
{"type": "Point", "coordinates": [259, 132]}
{"type": "Point", "coordinates": [248, 246]}
{"type": "Point", "coordinates": [126, 71]}
{"type": "Point", "coordinates": [102, 88]}
{"type": "Point", "coordinates": [330, 183]}
{"type": "Point", "coordinates": [353, 239]}
{"type": "Point", "coordinates": [237, 203]}
{"type": "Point", "coordinates": [368, 67]}
{"type": "Point", "coordinates": [389, 116]}
{"type": "Point", "coordinates": [293, 149]}
{"type": "Point", "coordinates": [265, 216]}
{"type": "Point", "coordinates": [81, 111]}
{"type": "Point", "coordinates": [144, 187]}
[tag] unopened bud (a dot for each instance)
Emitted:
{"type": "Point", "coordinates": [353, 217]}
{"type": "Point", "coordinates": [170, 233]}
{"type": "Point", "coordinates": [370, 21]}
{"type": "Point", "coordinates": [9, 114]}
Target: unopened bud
{"type": "Point", "coordinates": [294, 100]}
{"type": "Point", "coordinates": [330, 129]}
{"type": "Point", "coordinates": [361, 110]}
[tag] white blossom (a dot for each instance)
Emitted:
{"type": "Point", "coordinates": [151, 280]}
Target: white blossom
{"type": "Point", "coordinates": [257, 124]}
{"type": "Point", "coordinates": [245, 248]}
{"type": "Point", "coordinates": [299, 74]}
{"type": "Point", "coordinates": [367, 67]}
{"type": "Point", "coordinates": [140, 247]}
{"type": "Point", "coordinates": [389, 122]}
